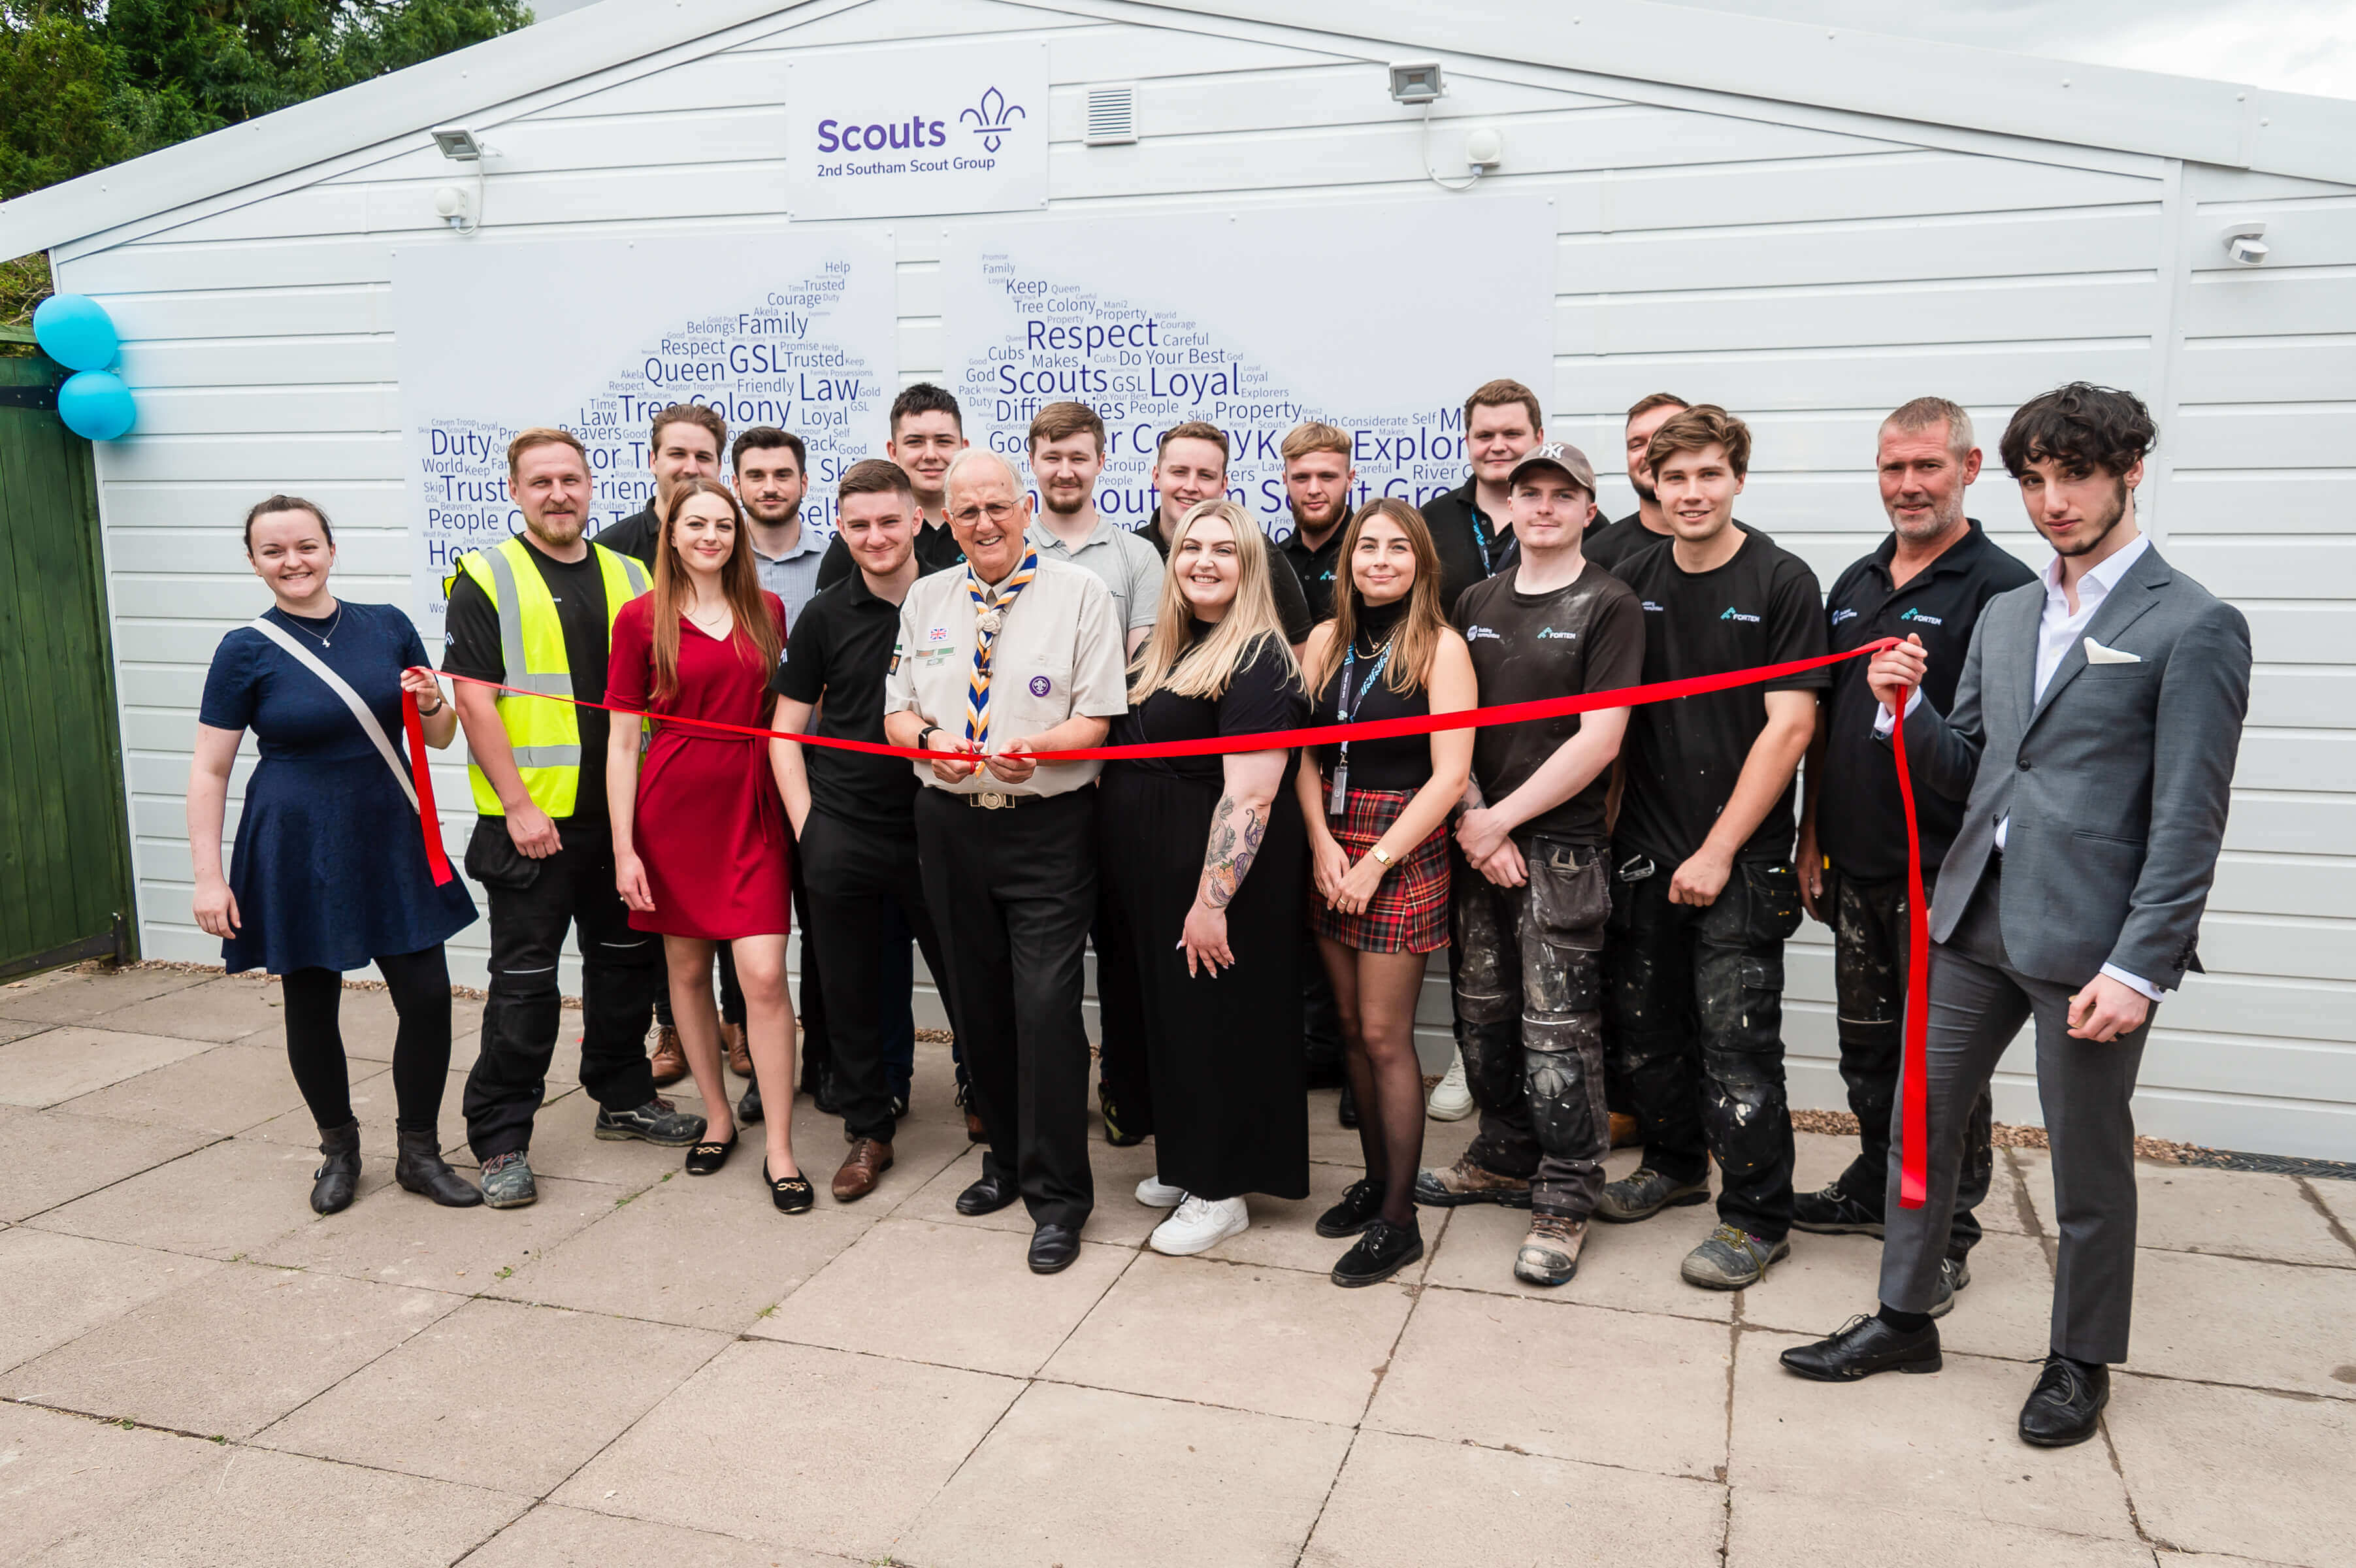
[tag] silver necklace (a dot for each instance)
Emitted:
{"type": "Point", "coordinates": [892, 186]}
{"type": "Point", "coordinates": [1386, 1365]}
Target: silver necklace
{"type": "Point", "coordinates": [322, 636]}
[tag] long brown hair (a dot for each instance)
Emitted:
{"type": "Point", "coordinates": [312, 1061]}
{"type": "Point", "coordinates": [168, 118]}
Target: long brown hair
{"type": "Point", "coordinates": [756, 632]}
{"type": "Point", "coordinates": [1417, 636]}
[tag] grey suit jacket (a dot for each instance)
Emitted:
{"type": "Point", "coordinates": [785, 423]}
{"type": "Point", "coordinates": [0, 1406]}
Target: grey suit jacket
{"type": "Point", "coordinates": [2116, 782]}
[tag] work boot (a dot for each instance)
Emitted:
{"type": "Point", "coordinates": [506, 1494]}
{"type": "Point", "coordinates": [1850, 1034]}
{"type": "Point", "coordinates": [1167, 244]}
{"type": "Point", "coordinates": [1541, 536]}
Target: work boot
{"type": "Point", "coordinates": [336, 1180]}
{"type": "Point", "coordinates": [669, 1059]}
{"type": "Point", "coordinates": [1625, 1133]}
{"type": "Point", "coordinates": [1729, 1258]}
{"type": "Point", "coordinates": [1832, 1211]}
{"type": "Point", "coordinates": [740, 1055]}
{"type": "Point", "coordinates": [1645, 1192]}
{"type": "Point", "coordinates": [1465, 1182]}
{"type": "Point", "coordinates": [1549, 1255]}
{"type": "Point", "coordinates": [423, 1169]}
{"type": "Point", "coordinates": [507, 1181]}
{"type": "Point", "coordinates": [656, 1122]}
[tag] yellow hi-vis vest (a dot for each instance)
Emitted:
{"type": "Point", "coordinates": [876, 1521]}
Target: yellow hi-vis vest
{"type": "Point", "coordinates": [546, 736]}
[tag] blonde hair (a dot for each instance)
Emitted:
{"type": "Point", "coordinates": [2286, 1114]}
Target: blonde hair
{"type": "Point", "coordinates": [1166, 663]}
{"type": "Point", "coordinates": [1423, 627]}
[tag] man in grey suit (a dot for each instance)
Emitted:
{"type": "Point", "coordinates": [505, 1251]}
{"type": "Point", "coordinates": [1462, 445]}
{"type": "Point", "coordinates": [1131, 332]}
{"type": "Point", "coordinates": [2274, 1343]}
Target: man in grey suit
{"type": "Point", "coordinates": [2093, 741]}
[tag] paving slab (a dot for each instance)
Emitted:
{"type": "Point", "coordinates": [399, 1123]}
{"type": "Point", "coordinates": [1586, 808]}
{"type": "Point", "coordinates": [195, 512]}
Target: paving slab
{"type": "Point", "coordinates": [2227, 1320]}
{"type": "Point", "coordinates": [2237, 1470]}
{"type": "Point", "coordinates": [61, 1064]}
{"type": "Point", "coordinates": [17, 1029]}
{"type": "Point", "coordinates": [821, 1450]}
{"type": "Point", "coordinates": [685, 1251]}
{"type": "Point", "coordinates": [250, 1506]}
{"type": "Point", "coordinates": [225, 1090]}
{"type": "Point", "coordinates": [564, 1143]}
{"type": "Point", "coordinates": [552, 1537]}
{"type": "Point", "coordinates": [1789, 1530]}
{"type": "Point", "coordinates": [1948, 1443]}
{"type": "Point", "coordinates": [59, 1473]}
{"type": "Point", "coordinates": [1561, 1379]}
{"type": "Point", "coordinates": [1630, 1267]}
{"type": "Point", "coordinates": [228, 1353]}
{"type": "Point", "coordinates": [1245, 1336]}
{"type": "Point", "coordinates": [55, 1157]}
{"type": "Point", "coordinates": [1283, 1231]}
{"type": "Point", "coordinates": [225, 1200]}
{"type": "Point", "coordinates": [54, 1288]}
{"type": "Point", "coordinates": [1330, 1143]}
{"type": "Point", "coordinates": [2338, 1199]}
{"type": "Point", "coordinates": [2239, 1214]}
{"type": "Point", "coordinates": [2006, 1311]}
{"type": "Point", "coordinates": [1501, 1507]}
{"type": "Point", "coordinates": [1089, 1479]}
{"type": "Point", "coordinates": [229, 1008]}
{"type": "Point", "coordinates": [404, 1238]}
{"type": "Point", "coordinates": [75, 996]}
{"type": "Point", "coordinates": [498, 1391]}
{"type": "Point", "coordinates": [373, 1107]}
{"type": "Point", "coordinates": [1117, 1220]}
{"type": "Point", "coordinates": [953, 1296]}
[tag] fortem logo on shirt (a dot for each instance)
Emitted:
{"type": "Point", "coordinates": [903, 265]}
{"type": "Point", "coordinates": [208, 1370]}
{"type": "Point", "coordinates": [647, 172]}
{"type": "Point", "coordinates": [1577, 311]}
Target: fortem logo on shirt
{"type": "Point", "coordinates": [1926, 620]}
{"type": "Point", "coordinates": [1545, 632]}
{"type": "Point", "coordinates": [1733, 614]}
{"type": "Point", "coordinates": [1476, 631]}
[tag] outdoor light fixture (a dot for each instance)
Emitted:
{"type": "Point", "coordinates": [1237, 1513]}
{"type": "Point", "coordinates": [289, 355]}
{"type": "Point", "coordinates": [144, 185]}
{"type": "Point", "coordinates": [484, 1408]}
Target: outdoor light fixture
{"type": "Point", "coordinates": [460, 144]}
{"type": "Point", "coordinates": [1417, 82]}
{"type": "Point", "coordinates": [2246, 245]}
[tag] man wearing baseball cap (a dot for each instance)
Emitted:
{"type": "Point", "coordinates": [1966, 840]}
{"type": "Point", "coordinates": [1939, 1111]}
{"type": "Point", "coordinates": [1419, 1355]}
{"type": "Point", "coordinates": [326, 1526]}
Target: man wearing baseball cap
{"type": "Point", "coordinates": [1529, 886]}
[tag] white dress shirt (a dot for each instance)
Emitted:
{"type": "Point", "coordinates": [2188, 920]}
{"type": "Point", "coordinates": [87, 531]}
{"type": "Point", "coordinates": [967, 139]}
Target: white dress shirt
{"type": "Point", "coordinates": [2058, 630]}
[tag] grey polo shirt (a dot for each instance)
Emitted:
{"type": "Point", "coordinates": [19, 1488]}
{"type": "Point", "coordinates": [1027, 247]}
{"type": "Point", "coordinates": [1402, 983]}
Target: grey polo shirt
{"type": "Point", "coordinates": [1129, 568]}
{"type": "Point", "coordinates": [792, 576]}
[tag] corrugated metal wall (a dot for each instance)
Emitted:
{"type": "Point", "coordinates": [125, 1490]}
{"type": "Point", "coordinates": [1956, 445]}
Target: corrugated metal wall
{"type": "Point", "coordinates": [1808, 269]}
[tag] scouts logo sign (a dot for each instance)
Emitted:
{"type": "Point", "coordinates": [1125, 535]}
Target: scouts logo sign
{"type": "Point", "coordinates": [919, 129]}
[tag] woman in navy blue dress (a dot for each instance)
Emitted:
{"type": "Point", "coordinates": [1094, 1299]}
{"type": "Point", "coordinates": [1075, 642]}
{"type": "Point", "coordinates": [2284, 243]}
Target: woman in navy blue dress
{"type": "Point", "coordinates": [329, 873]}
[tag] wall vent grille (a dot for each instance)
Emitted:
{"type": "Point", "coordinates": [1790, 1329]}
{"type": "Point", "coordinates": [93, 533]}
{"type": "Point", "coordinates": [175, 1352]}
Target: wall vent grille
{"type": "Point", "coordinates": [1112, 114]}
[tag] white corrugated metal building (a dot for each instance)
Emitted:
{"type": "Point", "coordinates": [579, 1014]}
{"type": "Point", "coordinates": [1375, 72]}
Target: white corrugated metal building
{"type": "Point", "coordinates": [1806, 225]}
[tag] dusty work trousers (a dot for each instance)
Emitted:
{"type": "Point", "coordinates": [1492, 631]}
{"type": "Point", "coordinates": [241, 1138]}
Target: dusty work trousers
{"type": "Point", "coordinates": [1528, 986]}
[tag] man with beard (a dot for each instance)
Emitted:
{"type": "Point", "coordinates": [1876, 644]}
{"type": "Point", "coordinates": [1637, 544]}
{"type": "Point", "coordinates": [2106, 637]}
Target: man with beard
{"type": "Point", "coordinates": [2091, 741]}
{"type": "Point", "coordinates": [1609, 544]}
{"type": "Point", "coordinates": [1190, 465]}
{"type": "Point", "coordinates": [1318, 482]}
{"type": "Point", "coordinates": [1931, 577]}
{"type": "Point", "coordinates": [926, 433]}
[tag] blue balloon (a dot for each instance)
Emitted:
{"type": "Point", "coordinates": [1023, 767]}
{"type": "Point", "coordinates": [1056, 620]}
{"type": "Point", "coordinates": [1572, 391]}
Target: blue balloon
{"type": "Point", "coordinates": [96, 405]}
{"type": "Point", "coordinates": [75, 330]}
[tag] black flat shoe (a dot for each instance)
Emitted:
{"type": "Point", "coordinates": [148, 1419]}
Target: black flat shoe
{"type": "Point", "coordinates": [703, 1159]}
{"type": "Point", "coordinates": [1865, 1346]}
{"type": "Point", "coordinates": [1357, 1210]}
{"type": "Point", "coordinates": [422, 1169]}
{"type": "Point", "coordinates": [1383, 1249]}
{"type": "Point", "coordinates": [1347, 1112]}
{"type": "Point", "coordinates": [792, 1195]}
{"type": "Point", "coordinates": [987, 1196]}
{"type": "Point", "coordinates": [748, 1110]}
{"type": "Point", "coordinates": [1052, 1248]}
{"type": "Point", "coordinates": [2066, 1405]}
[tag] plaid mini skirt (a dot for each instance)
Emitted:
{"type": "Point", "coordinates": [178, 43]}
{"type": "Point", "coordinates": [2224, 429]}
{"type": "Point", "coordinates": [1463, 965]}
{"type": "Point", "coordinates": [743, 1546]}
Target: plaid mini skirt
{"type": "Point", "coordinates": [1408, 912]}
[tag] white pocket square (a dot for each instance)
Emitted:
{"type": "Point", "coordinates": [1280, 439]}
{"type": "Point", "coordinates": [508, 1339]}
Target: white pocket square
{"type": "Point", "coordinates": [2097, 654]}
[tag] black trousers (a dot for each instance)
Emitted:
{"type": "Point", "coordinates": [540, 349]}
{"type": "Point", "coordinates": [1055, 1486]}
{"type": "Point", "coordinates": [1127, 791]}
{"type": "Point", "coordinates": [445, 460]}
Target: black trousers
{"type": "Point", "coordinates": [1012, 893]}
{"type": "Point", "coordinates": [621, 974]}
{"type": "Point", "coordinates": [1695, 997]}
{"type": "Point", "coordinates": [1122, 1060]}
{"type": "Point", "coordinates": [810, 1008]}
{"type": "Point", "coordinates": [859, 877]}
{"type": "Point", "coordinates": [1869, 982]}
{"type": "Point", "coordinates": [731, 996]}
{"type": "Point", "coordinates": [420, 983]}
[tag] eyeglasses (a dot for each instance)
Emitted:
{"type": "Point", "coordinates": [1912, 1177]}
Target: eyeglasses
{"type": "Point", "coordinates": [998, 512]}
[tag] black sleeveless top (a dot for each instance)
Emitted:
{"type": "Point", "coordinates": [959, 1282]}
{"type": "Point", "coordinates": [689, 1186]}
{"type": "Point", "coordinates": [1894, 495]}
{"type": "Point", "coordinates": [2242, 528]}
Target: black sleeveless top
{"type": "Point", "coordinates": [1401, 762]}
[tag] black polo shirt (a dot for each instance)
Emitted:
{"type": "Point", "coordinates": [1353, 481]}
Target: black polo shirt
{"type": "Point", "coordinates": [840, 650]}
{"type": "Point", "coordinates": [936, 550]}
{"type": "Point", "coordinates": [634, 535]}
{"type": "Point", "coordinates": [1283, 583]}
{"type": "Point", "coordinates": [1318, 570]}
{"type": "Point", "coordinates": [1472, 546]}
{"type": "Point", "coordinates": [1609, 543]}
{"type": "Point", "coordinates": [1860, 822]}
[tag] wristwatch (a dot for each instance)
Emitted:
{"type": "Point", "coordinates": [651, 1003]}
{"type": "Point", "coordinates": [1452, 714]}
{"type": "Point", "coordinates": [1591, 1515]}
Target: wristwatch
{"type": "Point", "coordinates": [922, 734]}
{"type": "Point", "coordinates": [1380, 858]}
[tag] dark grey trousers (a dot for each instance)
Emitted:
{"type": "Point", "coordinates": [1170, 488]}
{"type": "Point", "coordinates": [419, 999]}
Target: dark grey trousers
{"type": "Point", "coordinates": [1979, 1001]}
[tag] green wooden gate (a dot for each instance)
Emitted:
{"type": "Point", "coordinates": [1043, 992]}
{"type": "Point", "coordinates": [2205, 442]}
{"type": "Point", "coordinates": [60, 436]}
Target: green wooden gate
{"type": "Point", "coordinates": [64, 851]}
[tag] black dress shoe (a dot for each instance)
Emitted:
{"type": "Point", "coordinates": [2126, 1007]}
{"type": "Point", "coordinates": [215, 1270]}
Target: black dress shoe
{"type": "Point", "coordinates": [1347, 1110]}
{"type": "Point", "coordinates": [1383, 1249]}
{"type": "Point", "coordinates": [1052, 1248]}
{"type": "Point", "coordinates": [1358, 1208]}
{"type": "Point", "coordinates": [987, 1196]}
{"type": "Point", "coordinates": [2063, 1407]}
{"type": "Point", "coordinates": [1866, 1346]}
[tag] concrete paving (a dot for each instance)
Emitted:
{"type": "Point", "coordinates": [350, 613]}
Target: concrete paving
{"type": "Point", "coordinates": [644, 1368]}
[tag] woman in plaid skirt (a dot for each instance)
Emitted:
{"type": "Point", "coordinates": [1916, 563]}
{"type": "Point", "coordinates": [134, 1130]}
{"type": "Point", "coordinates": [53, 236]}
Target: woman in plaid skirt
{"type": "Point", "coordinates": [1377, 812]}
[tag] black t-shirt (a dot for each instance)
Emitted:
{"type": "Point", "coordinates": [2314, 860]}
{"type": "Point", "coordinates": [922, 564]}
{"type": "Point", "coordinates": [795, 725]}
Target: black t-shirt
{"type": "Point", "coordinates": [1471, 546]}
{"type": "Point", "coordinates": [1860, 822]}
{"type": "Point", "coordinates": [1588, 636]}
{"type": "Point", "coordinates": [471, 647]}
{"type": "Point", "coordinates": [936, 550]}
{"type": "Point", "coordinates": [634, 535]}
{"type": "Point", "coordinates": [1283, 582]}
{"type": "Point", "coordinates": [840, 650]}
{"type": "Point", "coordinates": [1265, 694]}
{"type": "Point", "coordinates": [1317, 570]}
{"type": "Point", "coordinates": [1397, 762]}
{"type": "Point", "coordinates": [1683, 757]}
{"type": "Point", "coordinates": [1609, 543]}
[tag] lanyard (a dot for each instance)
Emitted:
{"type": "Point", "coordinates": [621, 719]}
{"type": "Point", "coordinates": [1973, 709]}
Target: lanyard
{"type": "Point", "coordinates": [1481, 541]}
{"type": "Point", "coordinates": [1337, 797]}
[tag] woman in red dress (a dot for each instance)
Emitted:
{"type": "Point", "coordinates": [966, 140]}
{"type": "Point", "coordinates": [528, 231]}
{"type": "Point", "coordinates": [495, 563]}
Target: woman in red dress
{"type": "Point", "coordinates": [700, 834]}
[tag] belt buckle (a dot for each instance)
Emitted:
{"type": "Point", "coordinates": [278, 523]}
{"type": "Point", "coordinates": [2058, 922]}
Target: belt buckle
{"type": "Point", "coordinates": [994, 800]}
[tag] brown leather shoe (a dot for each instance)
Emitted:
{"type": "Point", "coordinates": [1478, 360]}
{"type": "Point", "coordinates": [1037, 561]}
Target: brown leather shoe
{"type": "Point", "coordinates": [740, 1055]}
{"type": "Point", "coordinates": [1625, 1134]}
{"type": "Point", "coordinates": [862, 1167]}
{"type": "Point", "coordinates": [668, 1060]}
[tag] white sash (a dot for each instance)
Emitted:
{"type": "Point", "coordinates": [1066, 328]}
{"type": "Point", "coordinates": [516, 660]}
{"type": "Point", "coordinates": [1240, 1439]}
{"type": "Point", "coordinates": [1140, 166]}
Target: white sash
{"type": "Point", "coordinates": [342, 688]}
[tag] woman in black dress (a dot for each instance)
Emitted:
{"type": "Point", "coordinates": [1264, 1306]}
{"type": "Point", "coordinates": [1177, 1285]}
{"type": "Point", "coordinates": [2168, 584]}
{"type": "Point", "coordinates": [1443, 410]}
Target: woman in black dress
{"type": "Point", "coordinates": [329, 872]}
{"type": "Point", "coordinates": [1203, 871]}
{"type": "Point", "coordinates": [1376, 812]}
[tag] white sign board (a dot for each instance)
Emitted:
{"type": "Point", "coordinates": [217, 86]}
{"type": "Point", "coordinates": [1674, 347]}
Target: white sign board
{"type": "Point", "coordinates": [784, 328]}
{"type": "Point", "coordinates": [1379, 319]}
{"type": "Point", "coordinates": [920, 128]}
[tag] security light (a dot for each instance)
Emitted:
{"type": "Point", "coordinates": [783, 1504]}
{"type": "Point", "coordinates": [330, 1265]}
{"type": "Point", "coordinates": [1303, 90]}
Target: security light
{"type": "Point", "coordinates": [458, 144]}
{"type": "Point", "coordinates": [2245, 246]}
{"type": "Point", "coordinates": [1417, 82]}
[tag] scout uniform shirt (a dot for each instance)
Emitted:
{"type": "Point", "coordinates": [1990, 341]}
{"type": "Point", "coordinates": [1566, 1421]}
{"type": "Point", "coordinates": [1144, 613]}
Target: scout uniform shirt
{"type": "Point", "coordinates": [1060, 654]}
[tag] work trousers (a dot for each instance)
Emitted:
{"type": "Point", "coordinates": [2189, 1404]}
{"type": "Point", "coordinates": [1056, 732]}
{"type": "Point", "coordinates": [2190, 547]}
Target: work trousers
{"type": "Point", "coordinates": [859, 877]}
{"type": "Point", "coordinates": [1012, 893]}
{"type": "Point", "coordinates": [1528, 984]}
{"type": "Point", "coordinates": [1979, 1002]}
{"type": "Point", "coordinates": [1697, 1004]}
{"type": "Point", "coordinates": [621, 972]}
{"type": "Point", "coordinates": [1869, 982]}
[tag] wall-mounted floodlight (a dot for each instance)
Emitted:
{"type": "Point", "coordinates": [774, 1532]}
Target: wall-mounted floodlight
{"type": "Point", "coordinates": [1417, 82]}
{"type": "Point", "coordinates": [2246, 245]}
{"type": "Point", "coordinates": [460, 144]}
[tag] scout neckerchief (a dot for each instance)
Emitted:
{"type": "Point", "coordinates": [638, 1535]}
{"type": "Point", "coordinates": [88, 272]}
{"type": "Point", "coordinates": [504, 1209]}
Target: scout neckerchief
{"type": "Point", "coordinates": [989, 609]}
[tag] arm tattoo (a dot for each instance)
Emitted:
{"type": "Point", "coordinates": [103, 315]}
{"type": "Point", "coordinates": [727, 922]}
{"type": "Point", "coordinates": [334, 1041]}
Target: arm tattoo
{"type": "Point", "coordinates": [1227, 856]}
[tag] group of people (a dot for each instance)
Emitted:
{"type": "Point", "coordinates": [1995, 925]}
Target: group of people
{"type": "Point", "coordinates": [1613, 888]}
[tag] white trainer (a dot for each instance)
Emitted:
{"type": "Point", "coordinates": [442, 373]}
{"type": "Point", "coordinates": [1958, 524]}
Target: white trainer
{"type": "Point", "coordinates": [1451, 1101]}
{"type": "Point", "coordinates": [1200, 1224]}
{"type": "Point", "coordinates": [1156, 1193]}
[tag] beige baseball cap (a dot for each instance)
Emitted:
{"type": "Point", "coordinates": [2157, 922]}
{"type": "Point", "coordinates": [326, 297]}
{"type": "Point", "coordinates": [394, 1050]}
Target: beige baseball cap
{"type": "Point", "coordinates": [1562, 456]}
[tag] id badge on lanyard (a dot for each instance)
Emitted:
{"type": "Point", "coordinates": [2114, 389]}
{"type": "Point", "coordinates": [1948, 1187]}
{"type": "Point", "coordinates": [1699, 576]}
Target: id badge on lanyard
{"type": "Point", "coordinates": [1337, 795]}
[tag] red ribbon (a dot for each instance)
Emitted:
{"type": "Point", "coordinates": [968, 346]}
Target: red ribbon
{"type": "Point", "coordinates": [421, 773]}
{"type": "Point", "coordinates": [1913, 1174]}
{"type": "Point", "coordinates": [1914, 1087]}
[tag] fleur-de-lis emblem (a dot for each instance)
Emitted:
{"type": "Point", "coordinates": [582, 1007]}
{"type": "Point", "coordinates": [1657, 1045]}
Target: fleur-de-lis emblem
{"type": "Point", "coordinates": [992, 117]}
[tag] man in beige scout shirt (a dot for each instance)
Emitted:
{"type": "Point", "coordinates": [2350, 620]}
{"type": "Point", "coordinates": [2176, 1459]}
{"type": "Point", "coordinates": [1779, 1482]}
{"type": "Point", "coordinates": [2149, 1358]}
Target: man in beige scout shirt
{"type": "Point", "coordinates": [1016, 653]}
